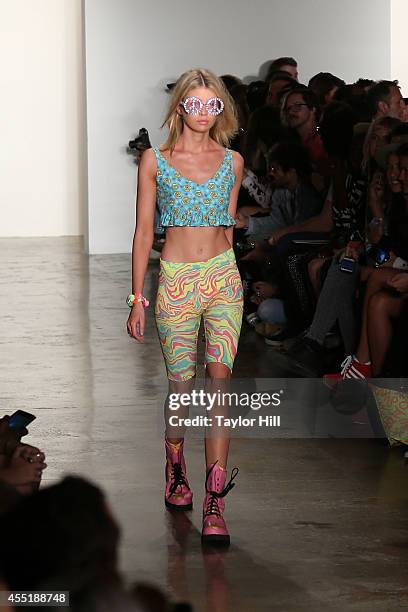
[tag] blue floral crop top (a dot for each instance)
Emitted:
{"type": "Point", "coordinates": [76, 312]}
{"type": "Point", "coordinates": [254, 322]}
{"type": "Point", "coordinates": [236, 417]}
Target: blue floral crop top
{"type": "Point", "coordinates": [186, 203]}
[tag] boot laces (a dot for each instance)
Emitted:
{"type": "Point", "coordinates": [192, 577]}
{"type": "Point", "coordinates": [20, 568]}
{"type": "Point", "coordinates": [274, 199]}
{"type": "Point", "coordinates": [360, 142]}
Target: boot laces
{"type": "Point", "coordinates": [178, 478]}
{"type": "Point", "coordinates": [212, 506]}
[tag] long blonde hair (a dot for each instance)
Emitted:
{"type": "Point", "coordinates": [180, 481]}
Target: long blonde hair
{"type": "Point", "coordinates": [226, 125]}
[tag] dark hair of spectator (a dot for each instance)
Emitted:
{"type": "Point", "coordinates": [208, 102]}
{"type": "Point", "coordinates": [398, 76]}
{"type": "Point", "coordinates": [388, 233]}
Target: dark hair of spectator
{"type": "Point", "coordinates": [285, 91]}
{"type": "Point", "coordinates": [322, 84]}
{"type": "Point", "coordinates": [364, 83]}
{"type": "Point", "coordinates": [256, 94]}
{"type": "Point", "coordinates": [345, 93]}
{"type": "Point", "coordinates": [380, 92]}
{"type": "Point", "coordinates": [263, 131]}
{"type": "Point", "coordinates": [290, 155]}
{"type": "Point", "coordinates": [336, 129]}
{"type": "Point", "coordinates": [356, 97]}
{"type": "Point", "coordinates": [280, 75]}
{"type": "Point", "coordinates": [230, 81]}
{"type": "Point", "coordinates": [61, 536]}
{"type": "Point", "coordinates": [239, 95]}
{"type": "Point", "coordinates": [277, 64]}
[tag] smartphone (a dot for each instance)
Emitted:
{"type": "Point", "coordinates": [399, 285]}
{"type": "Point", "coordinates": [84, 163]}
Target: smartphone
{"type": "Point", "coordinates": [378, 255]}
{"type": "Point", "coordinates": [347, 264]}
{"type": "Point", "coordinates": [20, 419]}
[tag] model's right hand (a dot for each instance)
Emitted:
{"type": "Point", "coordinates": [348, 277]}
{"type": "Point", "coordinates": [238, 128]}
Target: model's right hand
{"type": "Point", "coordinates": [136, 322]}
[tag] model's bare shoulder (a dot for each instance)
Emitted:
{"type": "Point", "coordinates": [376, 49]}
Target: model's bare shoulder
{"type": "Point", "coordinates": [238, 163]}
{"type": "Point", "coordinates": [148, 163]}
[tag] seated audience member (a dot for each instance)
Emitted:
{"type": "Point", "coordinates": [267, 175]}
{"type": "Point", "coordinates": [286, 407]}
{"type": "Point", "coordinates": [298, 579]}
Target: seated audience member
{"type": "Point", "coordinates": [377, 136]}
{"type": "Point", "coordinates": [284, 64]}
{"type": "Point", "coordinates": [294, 199]}
{"type": "Point", "coordinates": [336, 301]}
{"type": "Point", "coordinates": [341, 217]}
{"type": "Point", "coordinates": [343, 210]}
{"type": "Point", "coordinates": [238, 92]}
{"type": "Point", "coordinates": [382, 192]}
{"type": "Point", "coordinates": [363, 85]}
{"type": "Point", "coordinates": [230, 81]}
{"type": "Point", "coordinates": [386, 293]}
{"type": "Point", "coordinates": [21, 465]}
{"type": "Point", "coordinates": [256, 94]}
{"type": "Point", "coordinates": [385, 100]}
{"type": "Point", "coordinates": [64, 538]}
{"type": "Point", "coordinates": [279, 82]}
{"type": "Point", "coordinates": [264, 130]}
{"type": "Point", "coordinates": [356, 97]}
{"type": "Point", "coordinates": [300, 111]}
{"type": "Point", "coordinates": [324, 85]}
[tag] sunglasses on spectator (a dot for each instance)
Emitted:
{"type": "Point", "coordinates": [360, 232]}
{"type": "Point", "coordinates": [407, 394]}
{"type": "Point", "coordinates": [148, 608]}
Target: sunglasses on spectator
{"type": "Point", "coordinates": [194, 106]}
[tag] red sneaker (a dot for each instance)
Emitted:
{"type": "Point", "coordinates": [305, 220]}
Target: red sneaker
{"type": "Point", "coordinates": [350, 368]}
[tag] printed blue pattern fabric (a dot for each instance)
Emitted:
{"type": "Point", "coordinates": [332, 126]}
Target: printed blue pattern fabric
{"type": "Point", "coordinates": [185, 203]}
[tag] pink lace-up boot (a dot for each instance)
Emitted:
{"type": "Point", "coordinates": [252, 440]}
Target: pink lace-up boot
{"type": "Point", "coordinates": [214, 528]}
{"type": "Point", "coordinates": [178, 495]}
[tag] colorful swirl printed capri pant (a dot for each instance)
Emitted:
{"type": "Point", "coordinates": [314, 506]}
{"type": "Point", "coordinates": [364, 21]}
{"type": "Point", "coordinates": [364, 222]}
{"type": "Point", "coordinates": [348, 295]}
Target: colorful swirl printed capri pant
{"type": "Point", "coordinates": [211, 289]}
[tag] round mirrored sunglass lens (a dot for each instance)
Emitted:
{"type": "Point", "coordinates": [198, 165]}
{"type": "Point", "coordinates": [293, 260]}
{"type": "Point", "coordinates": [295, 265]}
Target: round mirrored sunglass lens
{"type": "Point", "coordinates": [214, 106]}
{"type": "Point", "coordinates": [192, 105]}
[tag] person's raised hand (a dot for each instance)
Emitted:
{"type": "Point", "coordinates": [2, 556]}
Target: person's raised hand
{"type": "Point", "coordinates": [22, 471]}
{"type": "Point", "coordinates": [376, 191]}
{"type": "Point", "coordinates": [264, 290]}
{"type": "Point", "coordinates": [276, 236]}
{"type": "Point", "coordinates": [241, 221]}
{"type": "Point", "coordinates": [32, 454]}
{"type": "Point", "coordinates": [351, 251]}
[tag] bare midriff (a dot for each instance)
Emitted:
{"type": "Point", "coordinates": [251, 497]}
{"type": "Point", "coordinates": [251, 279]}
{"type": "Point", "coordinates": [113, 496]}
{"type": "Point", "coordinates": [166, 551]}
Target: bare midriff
{"type": "Point", "coordinates": [187, 244]}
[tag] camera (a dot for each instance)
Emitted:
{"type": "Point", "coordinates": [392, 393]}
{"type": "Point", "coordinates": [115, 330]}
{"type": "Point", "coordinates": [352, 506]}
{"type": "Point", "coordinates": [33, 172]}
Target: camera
{"type": "Point", "coordinates": [141, 142]}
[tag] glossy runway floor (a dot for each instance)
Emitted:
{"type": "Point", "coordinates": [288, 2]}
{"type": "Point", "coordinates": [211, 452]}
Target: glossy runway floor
{"type": "Point", "coordinates": [316, 524]}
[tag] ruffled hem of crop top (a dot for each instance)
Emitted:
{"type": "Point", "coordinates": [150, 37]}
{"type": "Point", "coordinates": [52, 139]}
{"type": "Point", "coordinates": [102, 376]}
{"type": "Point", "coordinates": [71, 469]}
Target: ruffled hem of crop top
{"type": "Point", "coordinates": [183, 202]}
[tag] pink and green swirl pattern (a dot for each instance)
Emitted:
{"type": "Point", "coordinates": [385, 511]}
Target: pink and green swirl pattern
{"type": "Point", "coordinates": [210, 289]}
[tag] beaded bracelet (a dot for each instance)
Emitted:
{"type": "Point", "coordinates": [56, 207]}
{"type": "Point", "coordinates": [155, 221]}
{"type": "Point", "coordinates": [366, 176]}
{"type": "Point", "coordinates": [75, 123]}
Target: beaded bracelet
{"type": "Point", "coordinates": [131, 299]}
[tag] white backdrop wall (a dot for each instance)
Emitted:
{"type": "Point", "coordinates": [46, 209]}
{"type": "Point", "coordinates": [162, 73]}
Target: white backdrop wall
{"type": "Point", "coordinates": [399, 62]}
{"type": "Point", "coordinates": [133, 48]}
{"type": "Point", "coordinates": [42, 105]}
